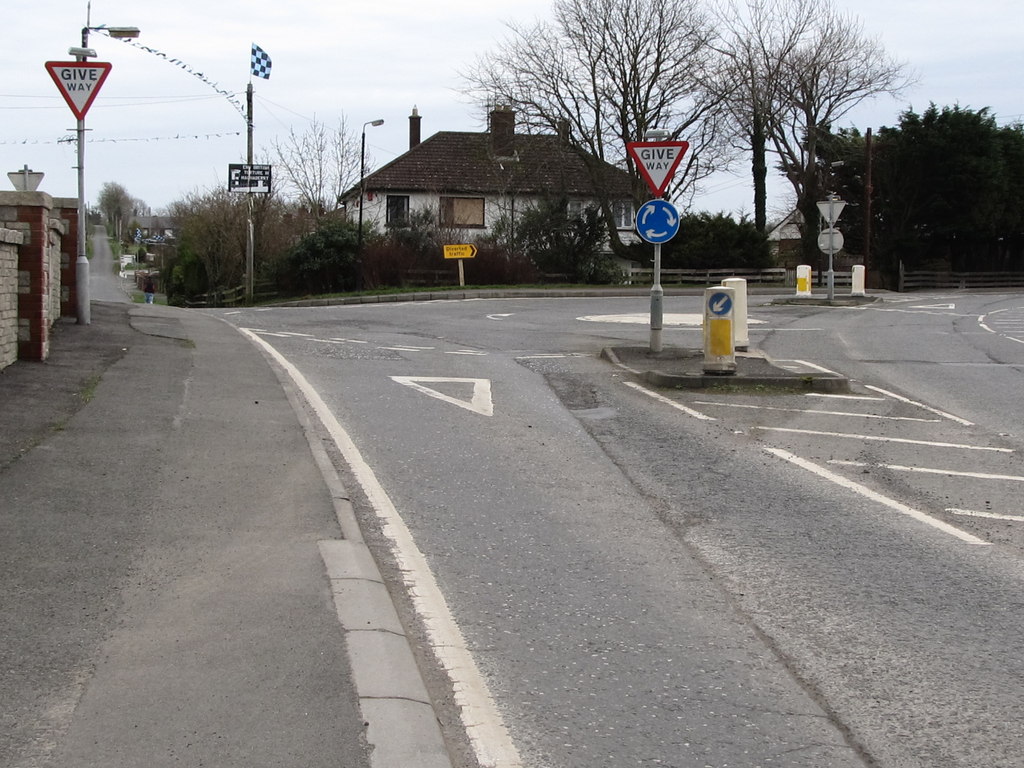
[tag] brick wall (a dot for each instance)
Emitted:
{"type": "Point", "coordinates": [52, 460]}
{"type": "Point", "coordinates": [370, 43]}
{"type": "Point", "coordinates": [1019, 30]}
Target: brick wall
{"type": "Point", "coordinates": [65, 209]}
{"type": "Point", "coordinates": [40, 271]}
{"type": "Point", "coordinates": [9, 242]}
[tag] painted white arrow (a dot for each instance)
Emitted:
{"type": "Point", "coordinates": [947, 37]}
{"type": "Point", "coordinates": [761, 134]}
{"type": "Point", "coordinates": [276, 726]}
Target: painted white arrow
{"type": "Point", "coordinates": [481, 401]}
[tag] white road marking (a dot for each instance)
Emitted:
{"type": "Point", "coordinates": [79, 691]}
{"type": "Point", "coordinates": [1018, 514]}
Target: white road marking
{"type": "Point", "coordinates": [1011, 326]}
{"type": "Point", "coordinates": [480, 717]}
{"type": "Point", "coordinates": [931, 471]}
{"type": "Point", "coordinates": [669, 319]}
{"type": "Point", "coordinates": [552, 356]}
{"type": "Point", "coordinates": [883, 439]}
{"type": "Point", "coordinates": [845, 397]}
{"type": "Point", "coordinates": [987, 515]}
{"type": "Point", "coordinates": [499, 317]}
{"type": "Point", "coordinates": [816, 367]}
{"type": "Point", "coordinates": [407, 348]}
{"type": "Point", "coordinates": [820, 413]}
{"type": "Point", "coordinates": [470, 352]}
{"type": "Point", "coordinates": [907, 400]}
{"type": "Point", "coordinates": [916, 514]}
{"type": "Point", "coordinates": [480, 402]}
{"type": "Point", "coordinates": [662, 399]}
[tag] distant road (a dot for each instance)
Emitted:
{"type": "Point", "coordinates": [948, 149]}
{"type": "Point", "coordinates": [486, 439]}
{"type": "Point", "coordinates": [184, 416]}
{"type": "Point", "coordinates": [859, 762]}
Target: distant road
{"type": "Point", "coordinates": [104, 284]}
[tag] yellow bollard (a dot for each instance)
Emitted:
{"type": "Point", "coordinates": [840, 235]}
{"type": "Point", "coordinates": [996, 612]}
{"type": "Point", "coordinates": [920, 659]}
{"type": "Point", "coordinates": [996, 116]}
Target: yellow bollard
{"type": "Point", "coordinates": [719, 352]}
{"type": "Point", "coordinates": [803, 280]}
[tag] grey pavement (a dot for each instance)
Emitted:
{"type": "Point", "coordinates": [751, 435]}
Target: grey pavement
{"type": "Point", "coordinates": [182, 581]}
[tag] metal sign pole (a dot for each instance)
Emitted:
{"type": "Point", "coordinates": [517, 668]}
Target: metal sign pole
{"type": "Point", "coordinates": [657, 300]}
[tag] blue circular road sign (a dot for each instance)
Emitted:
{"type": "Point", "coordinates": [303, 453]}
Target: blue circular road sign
{"type": "Point", "coordinates": [657, 221]}
{"type": "Point", "coordinates": [720, 304]}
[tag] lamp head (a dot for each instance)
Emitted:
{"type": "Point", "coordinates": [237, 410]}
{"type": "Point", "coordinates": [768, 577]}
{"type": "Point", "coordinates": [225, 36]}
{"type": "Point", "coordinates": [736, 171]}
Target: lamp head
{"type": "Point", "coordinates": [121, 33]}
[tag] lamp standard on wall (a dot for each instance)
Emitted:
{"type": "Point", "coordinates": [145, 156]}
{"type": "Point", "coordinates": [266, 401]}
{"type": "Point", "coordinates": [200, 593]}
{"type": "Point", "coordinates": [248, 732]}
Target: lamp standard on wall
{"type": "Point", "coordinates": [362, 194]}
{"type": "Point", "coordinates": [82, 262]}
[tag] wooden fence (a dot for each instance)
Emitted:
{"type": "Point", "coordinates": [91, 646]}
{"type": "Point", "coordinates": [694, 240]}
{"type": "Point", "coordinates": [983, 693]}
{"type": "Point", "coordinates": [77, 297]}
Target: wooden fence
{"type": "Point", "coordinates": [910, 281]}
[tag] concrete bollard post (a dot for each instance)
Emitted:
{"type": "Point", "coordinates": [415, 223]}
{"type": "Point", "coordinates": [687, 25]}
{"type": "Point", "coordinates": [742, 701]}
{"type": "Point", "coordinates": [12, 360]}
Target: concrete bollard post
{"type": "Point", "coordinates": [857, 286]}
{"type": "Point", "coordinates": [741, 338]}
{"type": "Point", "coordinates": [803, 280]}
{"type": "Point", "coordinates": [719, 352]}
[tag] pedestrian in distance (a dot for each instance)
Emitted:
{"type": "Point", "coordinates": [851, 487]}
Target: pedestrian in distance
{"type": "Point", "coordinates": [149, 288]}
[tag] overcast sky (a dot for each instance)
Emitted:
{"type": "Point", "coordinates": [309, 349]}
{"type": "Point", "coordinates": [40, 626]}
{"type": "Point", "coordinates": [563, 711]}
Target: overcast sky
{"type": "Point", "coordinates": [161, 132]}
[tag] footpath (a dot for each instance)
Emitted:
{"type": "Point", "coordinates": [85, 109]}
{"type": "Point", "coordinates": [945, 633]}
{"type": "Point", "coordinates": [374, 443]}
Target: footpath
{"type": "Point", "coordinates": [180, 581]}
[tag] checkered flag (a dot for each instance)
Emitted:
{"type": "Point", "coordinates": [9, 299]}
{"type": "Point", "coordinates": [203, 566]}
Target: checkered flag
{"type": "Point", "coordinates": [260, 62]}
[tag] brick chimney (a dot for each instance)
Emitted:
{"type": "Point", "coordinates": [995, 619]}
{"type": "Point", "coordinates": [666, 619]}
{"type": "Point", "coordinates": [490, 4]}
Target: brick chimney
{"type": "Point", "coordinates": [503, 132]}
{"type": "Point", "coordinates": [414, 128]}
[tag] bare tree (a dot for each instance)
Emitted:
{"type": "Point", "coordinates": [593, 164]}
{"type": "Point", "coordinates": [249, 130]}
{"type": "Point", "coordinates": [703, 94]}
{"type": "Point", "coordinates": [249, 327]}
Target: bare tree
{"type": "Point", "coordinates": [211, 226]}
{"type": "Point", "coordinates": [832, 67]}
{"type": "Point", "coordinates": [119, 208]}
{"type": "Point", "coordinates": [609, 70]}
{"type": "Point", "coordinates": [759, 37]}
{"type": "Point", "coordinates": [319, 165]}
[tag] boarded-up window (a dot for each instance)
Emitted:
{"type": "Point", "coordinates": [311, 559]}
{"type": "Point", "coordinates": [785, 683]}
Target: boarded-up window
{"type": "Point", "coordinates": [462, 212]}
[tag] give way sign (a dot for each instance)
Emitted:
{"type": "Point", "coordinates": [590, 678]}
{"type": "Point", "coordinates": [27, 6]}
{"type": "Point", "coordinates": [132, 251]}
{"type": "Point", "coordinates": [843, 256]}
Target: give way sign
{"type": "Point", "coordinates": [78, 82]}
{"type": "Point", "coordinates": [657, 161]}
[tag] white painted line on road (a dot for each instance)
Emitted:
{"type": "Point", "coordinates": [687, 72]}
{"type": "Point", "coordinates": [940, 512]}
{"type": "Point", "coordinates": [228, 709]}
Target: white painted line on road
{"type": "Point", "coordinates": [987, 515]}
{"type": "Point", "coordinates": [932, 471]}
{"type": "Point", "coordinates": [816, 367]}
{"type": "Point", "coordinates": [662, 399]}
{"type": "Point", "coordinates": [407, 348]}
{"type": "Point", "coordinates": [819, 413]}
{"type": "Point", "coordinates": [484, 726]}
{"type": "Point", "coordinates": [480, 402]}
{"type": "Point", "coordinates": [883, 439]}
{"type": "Point", "coordinates": [551, 356]}
{"type": "Point", "coordinates": [470, 352]}
{"type": "Point", "coordinates": [845, 397]}
{"type": "Point", "coordinates": [907, 400]}
{"type": "Point", "coordinates": [866, 492]}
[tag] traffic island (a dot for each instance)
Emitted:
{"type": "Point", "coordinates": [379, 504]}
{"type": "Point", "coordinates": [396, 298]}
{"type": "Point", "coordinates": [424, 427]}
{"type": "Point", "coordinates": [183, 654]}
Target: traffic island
{"type": "Point", "coordinates": [683, 368]}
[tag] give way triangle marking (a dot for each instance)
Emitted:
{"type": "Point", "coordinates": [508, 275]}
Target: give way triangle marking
{"type": "Point", "coordinates": [480, 401]}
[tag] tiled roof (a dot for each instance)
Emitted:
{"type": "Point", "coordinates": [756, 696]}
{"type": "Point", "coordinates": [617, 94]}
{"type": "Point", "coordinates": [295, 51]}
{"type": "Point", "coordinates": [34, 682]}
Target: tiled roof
{"type": "Point", "coordinates": [453, 162]}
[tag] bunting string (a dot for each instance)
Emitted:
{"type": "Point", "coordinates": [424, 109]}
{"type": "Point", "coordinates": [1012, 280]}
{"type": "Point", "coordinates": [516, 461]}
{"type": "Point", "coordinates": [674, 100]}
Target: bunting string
{"type": "Point", "coordinates": [71, 138]}
{"type": "Point", "coordinates": [231, 96]}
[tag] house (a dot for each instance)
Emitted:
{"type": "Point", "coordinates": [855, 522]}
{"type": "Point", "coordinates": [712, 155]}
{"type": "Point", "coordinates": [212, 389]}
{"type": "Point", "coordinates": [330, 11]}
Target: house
{"type": "Point", "coordinates": [471, 181]}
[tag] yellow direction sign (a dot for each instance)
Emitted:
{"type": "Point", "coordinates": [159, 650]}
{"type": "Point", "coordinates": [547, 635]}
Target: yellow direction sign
{"type": "Point", "coordinates": [464, 251]}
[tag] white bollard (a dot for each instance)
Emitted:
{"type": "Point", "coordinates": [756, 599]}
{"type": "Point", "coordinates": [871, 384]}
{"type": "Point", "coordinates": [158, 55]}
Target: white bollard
{"type": "Point", "coordinates": [803, 280]}
{"type": "Point", "coordinates": [857, 286]}
{"type": "Point", "coordinates": [741, 338]}
{"type": "Point", "coordinates": [719, 353]}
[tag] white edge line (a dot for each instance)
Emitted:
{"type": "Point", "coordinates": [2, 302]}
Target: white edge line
{"type": "Point", "coordinates": [667, 401]}
{"type": "Point", "coordinates": [916, 514]}
{"type": "Point", "coordinates": [907, 400]}
{"type": "Point", "coordinates": [480, 717]}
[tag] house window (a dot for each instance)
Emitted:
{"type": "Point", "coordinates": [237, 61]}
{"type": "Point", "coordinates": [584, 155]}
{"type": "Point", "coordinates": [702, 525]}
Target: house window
{"type": "Point", "coordinates": [462, 212]}
{"type": "Point", "coordinates": [623, 214]}
{"type": "Point", "coordinates": [398, 210]}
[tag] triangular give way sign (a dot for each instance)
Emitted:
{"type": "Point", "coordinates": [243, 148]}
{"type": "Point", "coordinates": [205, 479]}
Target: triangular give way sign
{"type": "Point", "coordinates": [78, 82]}
{"type": "Point", "coordinates": [657, 161]}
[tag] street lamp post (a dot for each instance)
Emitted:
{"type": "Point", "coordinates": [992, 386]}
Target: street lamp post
{"type": "Point", "coordinates": [362, 194]}
{"type": "Point", "coordinates": [84, 313]}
